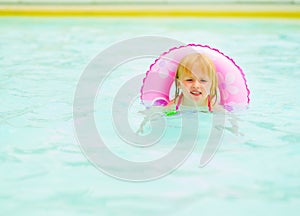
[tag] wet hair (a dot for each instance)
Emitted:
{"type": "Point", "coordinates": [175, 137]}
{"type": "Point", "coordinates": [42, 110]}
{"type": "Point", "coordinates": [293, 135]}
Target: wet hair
{"type": "Point", "coordinates": [185, 67]}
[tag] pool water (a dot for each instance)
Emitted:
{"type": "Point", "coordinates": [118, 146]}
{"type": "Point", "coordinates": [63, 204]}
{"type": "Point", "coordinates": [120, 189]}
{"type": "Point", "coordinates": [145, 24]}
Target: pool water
{"type": "Point", "coordinates": [44, 171]}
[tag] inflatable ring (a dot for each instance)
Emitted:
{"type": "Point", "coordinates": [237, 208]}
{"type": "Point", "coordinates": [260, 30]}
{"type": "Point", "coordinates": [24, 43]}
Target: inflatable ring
{"type": "Point", "coordinates": [159, 78]}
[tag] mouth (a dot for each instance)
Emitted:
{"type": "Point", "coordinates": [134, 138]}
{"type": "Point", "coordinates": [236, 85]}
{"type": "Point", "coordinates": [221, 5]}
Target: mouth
{"type": "Point", "coordinates": [196, 93]}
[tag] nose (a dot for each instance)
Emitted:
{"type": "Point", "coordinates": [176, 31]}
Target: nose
{"type": "Point", "coordinates": [197, 84]}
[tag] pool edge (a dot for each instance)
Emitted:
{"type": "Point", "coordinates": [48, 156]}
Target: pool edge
{"type": "Point", "coordinates": [203, 10]}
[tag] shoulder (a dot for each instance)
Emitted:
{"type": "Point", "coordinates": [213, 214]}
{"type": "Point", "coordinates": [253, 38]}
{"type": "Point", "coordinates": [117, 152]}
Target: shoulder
{"type": "Point", "coordinates": [170, 106]}
{"type": "Point", "coordinates": [172, 102]}
{"type": "Point", "coordinates": [218, 108]}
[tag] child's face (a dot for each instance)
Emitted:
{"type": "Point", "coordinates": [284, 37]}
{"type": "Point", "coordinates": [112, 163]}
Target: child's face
{"type": "Point", "coordinates": [195, 86]}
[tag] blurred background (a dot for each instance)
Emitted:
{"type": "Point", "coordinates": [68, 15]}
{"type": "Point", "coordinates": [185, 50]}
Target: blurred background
{"type": "Point", "coordinates": [191, 8]}
{"type": "Point", "coordinates": [147, 1]}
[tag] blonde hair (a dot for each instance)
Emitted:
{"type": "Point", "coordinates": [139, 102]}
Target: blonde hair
{"type": "Point", "coordinates": [185, 66]}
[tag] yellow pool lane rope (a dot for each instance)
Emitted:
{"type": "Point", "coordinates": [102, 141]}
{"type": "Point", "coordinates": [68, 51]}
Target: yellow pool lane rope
{"type": "Point", "coordinates": [142, 12]}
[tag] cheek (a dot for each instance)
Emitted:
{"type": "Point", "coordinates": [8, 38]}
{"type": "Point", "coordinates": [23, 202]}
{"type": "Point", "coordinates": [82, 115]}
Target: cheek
{"type": "Point", "coordinates": [208, 86]}
{"type": "Point", "coordinates": [187, 85]}
{"type": "Point", "coordinates": [183, 84]}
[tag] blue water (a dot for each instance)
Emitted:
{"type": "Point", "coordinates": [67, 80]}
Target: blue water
{"type": "Point", "coordinates": [44, 171]}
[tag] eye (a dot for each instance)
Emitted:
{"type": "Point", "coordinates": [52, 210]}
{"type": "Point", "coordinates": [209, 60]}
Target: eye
{"type": "Point", "coordinates": [189, 79]}
{"type": "Point", "coordinates": [203, 80]}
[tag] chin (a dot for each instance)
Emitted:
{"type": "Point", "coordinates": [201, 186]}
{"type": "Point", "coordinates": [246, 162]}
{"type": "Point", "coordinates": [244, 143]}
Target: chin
{"type": "Point", "coordinates": [197, 98]}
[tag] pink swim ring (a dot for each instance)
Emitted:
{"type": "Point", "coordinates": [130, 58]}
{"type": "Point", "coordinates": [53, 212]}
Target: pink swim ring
{"type": "Point", "coordinates": [233, 89]}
